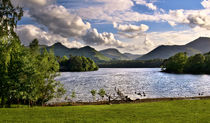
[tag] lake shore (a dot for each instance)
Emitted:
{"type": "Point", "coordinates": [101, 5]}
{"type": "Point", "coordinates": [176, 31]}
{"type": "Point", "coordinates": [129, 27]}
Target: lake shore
{"type": "Point", "coordinates": [146, 100]}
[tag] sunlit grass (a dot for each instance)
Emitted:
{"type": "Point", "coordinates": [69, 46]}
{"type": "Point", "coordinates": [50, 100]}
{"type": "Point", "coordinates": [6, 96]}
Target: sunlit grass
{"type": "Point", "coordinates": [170, 111]}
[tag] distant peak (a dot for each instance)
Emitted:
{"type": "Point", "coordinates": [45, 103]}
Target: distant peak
{"type": "Point", "coordinates": [111, 49]}
{"type": "Point", "coordinates": [203, 38]}
{"type": "Point", "coordinates": [88, 47]}
{"type": "Point", "coordinates": [58, 44]}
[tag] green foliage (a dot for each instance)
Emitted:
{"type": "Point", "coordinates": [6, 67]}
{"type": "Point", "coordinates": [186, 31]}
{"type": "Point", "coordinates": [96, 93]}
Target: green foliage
{"type": "Point", "coordinates": [34, 45]}
{"type": "Point", "coordinates": [9, 16]}
{"type": "Point", "coordinates": [93, 93]}
{"type": "Point", "coordinates": [132, 64]}
{"type": "Point", "coordinates": [77, 64]}
{"type": "Point", "coordinates": [27, 76]}
{"type": "Point", "coordinates": [73, 94]}
{"type": "Point", "coordinates": [207, 64]}
{"type": "Point", "coordinates": [197, 64]}
{"type": "Point", "coordinates": [102, 93]}
{"type": "Point", "coordinates": [176, 63]}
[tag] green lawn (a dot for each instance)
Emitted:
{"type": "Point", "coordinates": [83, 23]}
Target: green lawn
{"type": "Point", "coordinates": [186, 111]}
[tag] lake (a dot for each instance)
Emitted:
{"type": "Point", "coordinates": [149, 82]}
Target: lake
{"type": "Point", "coordinates": [131, 82]}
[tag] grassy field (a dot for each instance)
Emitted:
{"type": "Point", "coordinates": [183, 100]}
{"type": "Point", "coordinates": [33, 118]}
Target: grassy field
{"type": "Point", "coordinates": [182, 111]}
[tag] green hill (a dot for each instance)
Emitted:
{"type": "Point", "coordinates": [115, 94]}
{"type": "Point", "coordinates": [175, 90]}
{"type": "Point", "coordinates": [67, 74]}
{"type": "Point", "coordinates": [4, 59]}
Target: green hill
{"type": "Point", "coordinates": [200, 45]}
{"type": "Point", "coordinates": [114, 54]}
{"type": "Point", "coordinates": [87, 51]}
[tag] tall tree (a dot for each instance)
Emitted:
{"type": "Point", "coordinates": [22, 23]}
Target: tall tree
{"type": "Point", "coordinates": [9, 16]}
{"type": "Point", "coordinates": [26, 74]}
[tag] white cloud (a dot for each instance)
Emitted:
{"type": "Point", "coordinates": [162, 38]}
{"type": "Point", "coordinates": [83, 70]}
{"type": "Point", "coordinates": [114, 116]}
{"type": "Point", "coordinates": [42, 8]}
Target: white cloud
{"type": "Point", "coordinates": [130, 31]}
{"type": "Point", "coordinates": [193, 18]}
{"type": "Point", "coordinates": [149, 5]}
{"type": "Point", "coordinates": [106, 39]}
{"type": "Point", "coordinates": [94, 38]}
{"type": "Point", "coordinates": [56, 18]}
{"type": "Point", "coordinates": [59, 21]}
{"type": "Point", "coordinates": [29, 32]}
{"type": "Point", "coordinates": [206, 3]}
{"type": "Point", "coordinates": [130, 27]}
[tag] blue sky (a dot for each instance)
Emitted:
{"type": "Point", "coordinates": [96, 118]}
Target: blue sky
{"type": "Point", "coordinates": [136, 26]}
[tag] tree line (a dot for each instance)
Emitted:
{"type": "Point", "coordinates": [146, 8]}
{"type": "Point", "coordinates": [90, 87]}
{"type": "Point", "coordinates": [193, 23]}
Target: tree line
{"type": "Point", "coordinates": [181, 63]}
{"type": "Point", "coordinates": [27, 76]}
{"type": "Point", "coordinates": [155, 63]}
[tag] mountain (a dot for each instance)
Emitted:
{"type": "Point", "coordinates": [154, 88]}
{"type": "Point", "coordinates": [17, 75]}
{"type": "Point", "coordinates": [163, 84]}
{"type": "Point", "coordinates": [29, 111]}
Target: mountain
{"type": "Point", "coordinates": [200, 45]}
{"type": "Point", "coordinates": [114, 54]}
{"type": "Point", "coordinates": [132, 56]}
{"type": "Point", "coordinates": [87, 51]}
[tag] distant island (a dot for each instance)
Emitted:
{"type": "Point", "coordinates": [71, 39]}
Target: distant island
{"type": "Point", "coordinates": [181, 63]}
{"type": "Point", "coordinates": [76, 64]}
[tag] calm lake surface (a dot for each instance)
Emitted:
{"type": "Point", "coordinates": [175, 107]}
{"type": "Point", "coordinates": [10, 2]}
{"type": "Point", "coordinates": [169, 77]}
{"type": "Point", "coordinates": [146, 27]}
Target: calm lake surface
{"type": "Point", "coordinates": [152, 82]}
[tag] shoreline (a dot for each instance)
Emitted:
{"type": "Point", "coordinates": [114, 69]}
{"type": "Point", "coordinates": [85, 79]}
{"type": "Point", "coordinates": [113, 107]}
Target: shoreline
{"type": "Point", "coordinates": [146, 100]}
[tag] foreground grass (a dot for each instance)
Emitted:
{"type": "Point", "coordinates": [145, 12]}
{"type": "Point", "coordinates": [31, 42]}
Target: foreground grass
{"type": "Point", "coordinates": [192, 111]}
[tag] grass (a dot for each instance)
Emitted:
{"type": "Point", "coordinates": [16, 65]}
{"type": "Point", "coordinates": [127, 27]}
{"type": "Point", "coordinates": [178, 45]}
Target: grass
{"type": "Point", "coordinates": [187, 111]}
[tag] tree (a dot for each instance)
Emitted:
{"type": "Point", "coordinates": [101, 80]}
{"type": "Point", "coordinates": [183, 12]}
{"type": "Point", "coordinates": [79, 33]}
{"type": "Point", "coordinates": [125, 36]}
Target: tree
{"type": "Point", "coordinates": [93, 93]}
{"type": "Point", "coordinates": [78, 64]}
{"type": "Point", "coordinates": [102, 93]}
{"type": "Point", "coordinates": [207, 64]}
{"type": "Point", "coordinates": [48, 70]}
{"type": "Point", "coordinates": [26, 74]}
{"type": "Point", "coordinates": [9, 16]}
{"type": "Point", "coordinates": [195, 64]}
{"type": "Point", "coordinates": [73, 95]}
{"type": "Point", "coordinates": [5, 50]}
{"type": "Point", "coordinates": [175, 63]}
{"type": "Point", "coordinates": [34, 45]}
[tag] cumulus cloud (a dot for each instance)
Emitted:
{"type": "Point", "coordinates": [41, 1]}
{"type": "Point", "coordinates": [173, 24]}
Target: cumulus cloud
{"type": "Point", "coordinates": [199, 20]}
{"type": "Point", "coordinates": [56, 18]}
{"type": "Point", "coordinates": [106, 39]}
{"type": "Point", "coordinates": [193, 18]}
{"type": "Point", "coordinates": [130, 27]}
{"type": "Point", "coordinates": [94, 38]}
{"type": "Point", "coordinates": [148, 42]}
{"type": "Point", "coordinates": [130, 31]}
{"type": "Point", "coordinates": [59, 21]}
{"type": "Point", "coordinates": [108, 10]}
{"type": "Point", "coordinates": [149, 5]}
{"type": "Point", "coordinates": [29, 32]}
{"type": "Point", "coordinates": [114, 10]}
{"type": "Point", "coordinates": [206, 3]}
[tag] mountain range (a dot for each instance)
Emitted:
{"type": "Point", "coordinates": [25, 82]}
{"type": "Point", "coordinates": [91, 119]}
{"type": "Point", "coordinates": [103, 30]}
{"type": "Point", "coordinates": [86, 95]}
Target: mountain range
{"type": "Point", "coordinates": [115, 54]}
{"type": "Point", "coordinates": [200, 45]}
{"type": "Point", "coordinates": [87, 51]}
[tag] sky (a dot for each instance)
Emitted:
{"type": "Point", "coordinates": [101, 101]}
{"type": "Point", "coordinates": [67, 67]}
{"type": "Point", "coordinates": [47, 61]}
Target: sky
{"type": "Point", "coordinates": [134, 26]}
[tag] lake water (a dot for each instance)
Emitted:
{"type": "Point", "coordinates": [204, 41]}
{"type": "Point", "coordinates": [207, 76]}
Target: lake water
{"type": "Point", "coordinates": [152, 82]}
